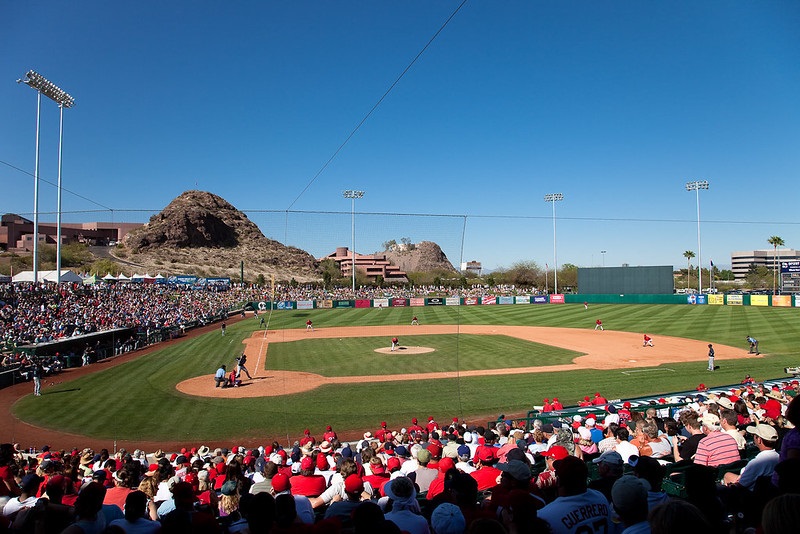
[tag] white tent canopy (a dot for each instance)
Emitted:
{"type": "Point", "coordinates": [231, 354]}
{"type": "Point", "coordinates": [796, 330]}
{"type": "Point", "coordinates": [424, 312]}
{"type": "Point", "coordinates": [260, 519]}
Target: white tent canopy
{"type": "Point", "coordinates": [109, 277]}
{"type": "Point", "coordinates": [47, 276]}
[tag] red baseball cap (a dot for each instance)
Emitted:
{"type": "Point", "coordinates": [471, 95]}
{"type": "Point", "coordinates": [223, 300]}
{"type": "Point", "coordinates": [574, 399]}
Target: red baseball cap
{"type": "Point", "coordinates": [556, 451]}
{"type": "Point", "coordinates": [280, 482]}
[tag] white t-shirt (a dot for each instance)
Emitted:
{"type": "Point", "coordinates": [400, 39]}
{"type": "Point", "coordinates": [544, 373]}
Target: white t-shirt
{"type": "Point", "coordinates": [15, 505]}
{"type": "Point", "coordinates": [587, 512]}
{"type": "Point", "coordinates": [626, 449]}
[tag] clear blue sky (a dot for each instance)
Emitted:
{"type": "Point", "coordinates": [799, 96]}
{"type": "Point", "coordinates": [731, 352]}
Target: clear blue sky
{"type": "Point", "coordinates": [614, 104]}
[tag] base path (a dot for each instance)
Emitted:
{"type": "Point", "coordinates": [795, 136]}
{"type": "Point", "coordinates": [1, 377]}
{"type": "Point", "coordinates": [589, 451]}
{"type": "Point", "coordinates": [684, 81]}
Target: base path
{"type": "Point", "coordinates": [601, 350]}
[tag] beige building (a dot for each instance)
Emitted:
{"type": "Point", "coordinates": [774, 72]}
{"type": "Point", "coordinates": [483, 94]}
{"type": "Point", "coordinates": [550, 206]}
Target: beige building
{"type": "Point", "coordinates": [743, 259]}
{"type": "Point", "coordinates": [372, 265]}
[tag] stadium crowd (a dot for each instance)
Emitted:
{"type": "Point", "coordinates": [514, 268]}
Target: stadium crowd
{"type": "Point", "coordinates": [710, 463]}
{"type": "Point", "coordinates": [40, 313]}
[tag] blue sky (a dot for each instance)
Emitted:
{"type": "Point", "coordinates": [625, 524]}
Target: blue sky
{"type": "Point", "coordinates": [614, 104]}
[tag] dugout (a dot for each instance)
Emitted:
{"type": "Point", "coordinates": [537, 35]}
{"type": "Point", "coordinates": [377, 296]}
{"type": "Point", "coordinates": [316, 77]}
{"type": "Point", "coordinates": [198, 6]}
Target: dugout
{"type": "Point", "coordinates": [648, 280]}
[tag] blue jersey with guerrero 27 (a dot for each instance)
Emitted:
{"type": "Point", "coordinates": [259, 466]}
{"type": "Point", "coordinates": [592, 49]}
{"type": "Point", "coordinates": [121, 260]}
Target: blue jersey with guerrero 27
{"type": "Point", "coordinates": [585, 513]}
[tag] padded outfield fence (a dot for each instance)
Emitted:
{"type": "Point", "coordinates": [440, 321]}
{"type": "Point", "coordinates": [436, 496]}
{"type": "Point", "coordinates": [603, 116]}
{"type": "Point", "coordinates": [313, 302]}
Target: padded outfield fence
{"type": "Point", "coordinates": [784, 301]}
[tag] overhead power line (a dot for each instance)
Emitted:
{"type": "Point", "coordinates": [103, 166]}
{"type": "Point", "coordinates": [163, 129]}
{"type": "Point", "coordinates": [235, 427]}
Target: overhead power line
{"type": "Point", "coordinates": [378, 103]}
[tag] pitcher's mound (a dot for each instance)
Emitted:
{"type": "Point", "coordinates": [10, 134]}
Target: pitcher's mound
{"type": "Point", "coordinates": [405, 350]}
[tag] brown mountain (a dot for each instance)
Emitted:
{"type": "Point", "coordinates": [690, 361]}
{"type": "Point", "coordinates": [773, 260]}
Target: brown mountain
{"type": "Point", "coordinates": [425, 256]}
{"type": "Point", "coordinates": [201, 233]}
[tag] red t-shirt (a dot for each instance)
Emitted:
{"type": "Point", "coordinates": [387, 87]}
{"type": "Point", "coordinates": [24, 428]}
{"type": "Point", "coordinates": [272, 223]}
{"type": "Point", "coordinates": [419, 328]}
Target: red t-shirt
{"type": "Point", "coordinates": [310, 486]}
{"type": "Point", "coordinates": [486, 477]}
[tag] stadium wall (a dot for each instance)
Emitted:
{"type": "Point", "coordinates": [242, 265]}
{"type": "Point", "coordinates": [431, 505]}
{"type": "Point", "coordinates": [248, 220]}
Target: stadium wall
{"type": "Point", "coordinates": [783, 301]}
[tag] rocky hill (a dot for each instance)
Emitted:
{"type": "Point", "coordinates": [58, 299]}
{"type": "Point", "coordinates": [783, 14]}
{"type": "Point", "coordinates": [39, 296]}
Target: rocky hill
{"type": "Point", "coordinates": [201, 233]}
{"type": "Point", "coordinates": [425, 256]}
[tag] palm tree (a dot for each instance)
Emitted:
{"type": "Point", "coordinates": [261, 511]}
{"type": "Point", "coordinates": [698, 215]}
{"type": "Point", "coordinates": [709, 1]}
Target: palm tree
{"type": "Point", "coordinates": [688, 255]}
{"type": "Point", "coordinates": [776, 242]}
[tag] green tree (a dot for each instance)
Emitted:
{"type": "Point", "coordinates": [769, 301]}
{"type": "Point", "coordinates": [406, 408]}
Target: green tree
{"type": "Point", "coordinates": [104, 266]}
{"type": "Point", "coordinates": [568, 276]}
{"type": "Point", "coordinates": [490, 280]}
{"type": "Point", "coordinates": [524, 273]}
{"type": "Point", "coordinates": [776, 242]}
{"type": "Point", "coordinates": [757, 277]}
{"type": "Point", "coordinates": [387, 245]}
{"type": "Point", "coordinates": [261, 280]}
{"type": "Point", "coordinates": [688, 255]}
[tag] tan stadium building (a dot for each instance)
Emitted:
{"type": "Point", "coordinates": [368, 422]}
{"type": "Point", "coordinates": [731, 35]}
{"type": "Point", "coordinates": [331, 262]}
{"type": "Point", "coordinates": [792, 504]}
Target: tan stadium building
{"type": "Point", "coordinates": [741, 261]}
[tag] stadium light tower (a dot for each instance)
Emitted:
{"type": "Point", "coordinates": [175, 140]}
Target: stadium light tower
{"type": "Point", "coordinates": [696, 186]}
{"type": "Point", "coordinates": [45, 87]}
{"type": "Point", "coordinates": [554, 197]}
{"type": "Point", "coordinates": [353, 194]}
{"type": "Point", "coordinates": [603, 254]}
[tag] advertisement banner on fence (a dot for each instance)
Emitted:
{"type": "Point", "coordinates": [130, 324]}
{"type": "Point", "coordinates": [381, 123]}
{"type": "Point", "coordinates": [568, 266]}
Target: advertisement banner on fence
{"type": "Point", "coordinates": [797, 301]}
{"type": "Point", "coordinates": [417, 301]}
{"type": "Point", "coordinates": [734, 300]}
{"type": "Point", "coordinates": [380, 303]}
{"type": "Point", "coordinates": [557, 299]}
{"type": "Point", "coordinates": [540, 299]}
{"type": "Point", "coordinates": [326, 303]}
{"type": "Point", "coordinates": [452, 301]}
{"type": "Point", "coordinates": [759, 300]}
{"type": "Point", "coordinates": [696, 299]}
{"type": "Point", "coordinates": [782, 300]}
{"type": "Point", "coordinates": [343, 303]}
{"type": "Point", "coordinates": [363, 303]}
{"type": "Point", "coordinates": [434, 301]}
{"type": "Point", "coordinates": [716, 300]}
{"type": "Point", "coordinates": [262, 306]}
{"type": "Point", "coordinates": [284, 305]}
{"type": "Point", "coordinates": [522, 300]}
{"type": "Point", "coordinates": [489, 300]}
{"type": "Point", "coordinates": [470, 301]}
{"type": "Point", "coordinates": [505, 300]}
{"type": "Point", "coordinates": [399, 303]}
{"type": "Point", "coordinates": [305, 304]}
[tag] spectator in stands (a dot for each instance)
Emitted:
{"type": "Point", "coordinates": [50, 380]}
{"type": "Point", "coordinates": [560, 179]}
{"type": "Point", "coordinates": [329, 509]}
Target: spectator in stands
{"type": "Point", "coordinates": [403, 506]}
{"type": "Point", "coordinates": [609, 441]}
{"type": "Point", "coordinates": [684, 448]}
{"type": "Point", "coordinates": [423, 475]}
{"type": "Point", "coordinates": [781, 514]}
{"type": "Point", "coordinates": [87, 510]}
{"type": "Point", "coordinates": [649, 469]}
{"type": "Point", "coordinates": [485, 473]}
{"type": "Point", "coordinates": [343, 510]}
{"type": "Point", "coordinates": [763, 464]}
{"type": "Point", "coordinates": [677, 516]}
{"type": "Point", "coordinates": [629, 496]}
{"type": "Point", "coordinates": [576, 505]}
{"type": "Point", "coordinates": [609, 470]}
{"type": "Point", "coordinates": [135, 520]}
{"type": "Point", "coordinates": [717, 448]}
{"type": "Point", "coordinates": [650, 442]}
{"type": "Point", "coordinates": [625, 448]}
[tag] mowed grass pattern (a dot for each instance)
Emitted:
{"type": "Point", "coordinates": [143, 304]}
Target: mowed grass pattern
{"type": "Point", "coordinates": [456, 352]}
{"type": "Point", "coordinates": [138, 400]}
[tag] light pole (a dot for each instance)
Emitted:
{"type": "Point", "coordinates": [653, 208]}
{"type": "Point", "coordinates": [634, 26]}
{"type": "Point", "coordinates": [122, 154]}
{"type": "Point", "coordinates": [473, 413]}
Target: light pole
{"type": "Point", "coordinates": [47, 88]}
{"type": "Point", "coordinates": [554, 197]}
{"type": "Point", "coordinates": [353, 194]}
{"type": "Point", "coordinates": [603, 253]}
{"type": "Point", "coordinates": [696, 186]}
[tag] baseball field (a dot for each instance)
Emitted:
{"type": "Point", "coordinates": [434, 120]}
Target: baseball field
{"type": "Point", "coordinates": [470, 362]}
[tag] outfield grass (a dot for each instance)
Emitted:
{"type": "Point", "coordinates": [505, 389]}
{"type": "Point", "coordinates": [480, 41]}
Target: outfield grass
{"type": "Point", "coordinates": [356, 356]}
{"type": "Point", "coordinates": [138, 400]}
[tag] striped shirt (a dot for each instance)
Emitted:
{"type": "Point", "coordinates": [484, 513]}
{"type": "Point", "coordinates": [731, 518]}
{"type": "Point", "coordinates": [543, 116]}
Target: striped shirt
{"type": "Point", "coordinates": [717, 448]}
